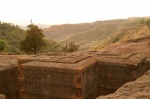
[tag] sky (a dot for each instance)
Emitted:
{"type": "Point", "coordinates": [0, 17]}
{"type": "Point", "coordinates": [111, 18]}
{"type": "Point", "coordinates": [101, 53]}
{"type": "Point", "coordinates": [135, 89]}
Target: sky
{"type": "Point", "coordinates": [51, 12]}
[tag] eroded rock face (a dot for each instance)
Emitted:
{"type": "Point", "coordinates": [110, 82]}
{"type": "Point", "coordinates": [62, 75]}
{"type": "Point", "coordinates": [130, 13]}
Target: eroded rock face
{"type": "Point", "coordinates": [9, 76]}
{"type": "Point", "coordinates": [82, 75]}
{"type": "Point", "coordinates": [77, 76]}
{"type": "Point", "coordinates": [139, 89]}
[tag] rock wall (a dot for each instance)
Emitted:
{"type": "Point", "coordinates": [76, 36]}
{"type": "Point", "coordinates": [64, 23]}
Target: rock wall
{"type": "Point", "coordinates": [147, 64]}
{"type": "Point", "coordinates": [9, 77]}
{"type": "Point", "coordinates": [77, 76]}
{"type": "Point", "coordinates": [9, 83]}
{"type": "Point", "coordinates": [114, 70]}
{"type": "Point", "coordinates": [57, 77]}
{"type": "Point", "coordinates": [139, 89]}
{"type": "Point", "coordinates": [83, 75]}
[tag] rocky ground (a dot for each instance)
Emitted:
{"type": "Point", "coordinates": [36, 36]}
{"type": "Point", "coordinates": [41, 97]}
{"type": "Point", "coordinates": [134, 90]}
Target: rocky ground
{"type": "Point", "coordinates": [130, 47]}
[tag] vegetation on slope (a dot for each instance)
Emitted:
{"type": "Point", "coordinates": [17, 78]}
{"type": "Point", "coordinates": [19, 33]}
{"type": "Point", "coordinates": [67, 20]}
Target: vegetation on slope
{"type": "Point", "coordinates": [131, 30]}
{"type": "Point", "coordinates": [3, 45]}
{"type": "Point", "coordinates": [52, 46]}
{"type": "Point", "coordinates": [12, 34]}
{"type": "Point", "coordinates": [101, 33]}
{"type": "Point", "coordinates": [87, 35]}
{"type": "Point", "coordinates": [71, 47]}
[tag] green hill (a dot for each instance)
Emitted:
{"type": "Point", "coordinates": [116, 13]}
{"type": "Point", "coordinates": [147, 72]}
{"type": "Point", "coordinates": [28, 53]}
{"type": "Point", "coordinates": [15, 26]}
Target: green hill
{"type": "Point", "coordinates": [12, 34]}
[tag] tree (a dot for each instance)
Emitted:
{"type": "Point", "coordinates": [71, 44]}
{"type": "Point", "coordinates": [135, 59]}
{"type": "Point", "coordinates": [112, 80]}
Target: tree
{"type": "Point", "coordinates": [142, 21]}
{"type": "Point", "coordinates": [148, 23]}
{"type": "Point", "coordinates": [52, 46]}
{"type": "Point", "coordinates": [72, 47]}
{"type": "Point", "coordinates": [3, 45]}
{"type": "Point", "coordinates": [34, 40]}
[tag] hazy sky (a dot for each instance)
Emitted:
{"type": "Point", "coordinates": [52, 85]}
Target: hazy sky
{"type": "Point", "coordinates": [70, 11]}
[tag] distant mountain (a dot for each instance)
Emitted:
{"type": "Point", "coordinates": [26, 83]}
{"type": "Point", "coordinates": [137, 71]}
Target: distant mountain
{"type": "Point", "coordinates": [102, 31]}
{"type": "Point", "coordinates": [62, 32]}
{"type": "Point", "coordinates": [42, 26]}
{"type": "Point", "coordinates": [98, 34]}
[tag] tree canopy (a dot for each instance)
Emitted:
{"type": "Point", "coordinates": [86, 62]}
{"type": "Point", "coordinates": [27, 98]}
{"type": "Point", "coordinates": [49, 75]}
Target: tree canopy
{"type": "Point", "coordinates": [3, 45]}
{"type": "Point", "coordinates": [72, 47]}
{"type": "Point", "coordinates": [52, 46]}
{"type": "Point", "coordinates": [12, 34]}
{"type": "Point", "coordinates": [34, 40]}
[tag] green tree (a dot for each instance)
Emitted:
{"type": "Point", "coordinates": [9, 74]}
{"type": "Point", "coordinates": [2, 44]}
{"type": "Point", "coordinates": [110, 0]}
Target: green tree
{"type": "Point", "coordinates": [34, 40]}
{"type": "Point", "coordinates": [72, 47]}
{"type": "Point", "coordinates": [52, 46]}
{"type": "Point", "coordinates": [3, 45]}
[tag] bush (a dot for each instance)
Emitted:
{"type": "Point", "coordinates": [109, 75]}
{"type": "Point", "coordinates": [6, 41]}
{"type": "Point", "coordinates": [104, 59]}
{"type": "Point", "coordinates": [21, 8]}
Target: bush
{"type": "Point", "coordinates": [72, 47]}
{"type": "Point", "coordinates": [3, 45]}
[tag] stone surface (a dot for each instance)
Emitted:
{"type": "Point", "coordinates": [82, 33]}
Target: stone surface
{"type": "Point", "coordinates": [2, 96]}
{"type": "Point", "coordinates": [147, 64]}
{"type": "Point", "coordinates": [130, 47]}
{"type": "Point", "coordinates": [139, 89]}
{"type": "Point", "coordinates": [57, 77]}
{"type": "Point", "coordinates": [83, 75]}
{"type": "Point", "coordinates": [9, 76]}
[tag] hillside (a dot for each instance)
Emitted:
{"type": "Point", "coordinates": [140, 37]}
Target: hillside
{"type": "Point", "coordinates": [136, 32]}
{"type": "Point", "coordinates": [102, 31]}
{"type": "Point", "coordinates": [95, 36]}
{"type": "Point", "coordinates": [61, 32]}
{"type": "Point", "coordinates": [84, 34]}
{"type": "Point", "coordinates": [98, 34]}
{"type": "Point", "coordinates": [12, 34]}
